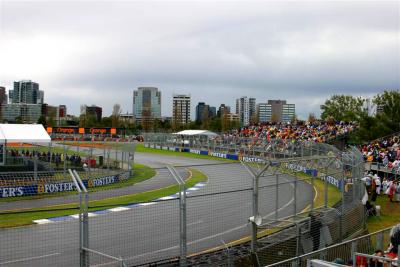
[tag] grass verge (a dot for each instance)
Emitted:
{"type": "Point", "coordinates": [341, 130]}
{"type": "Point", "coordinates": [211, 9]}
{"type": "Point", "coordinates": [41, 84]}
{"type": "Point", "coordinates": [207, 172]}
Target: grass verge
{"type": "Point", "coordinates": [26, 217]}
{"type": "Point", "coordinates": [140, 148]}
{"type": "Point", "coordinates": [390, 215]}
{"type": "Point", "coordinates": [334, 196]}
{"type": "Point", "coordinates": [140, 174]}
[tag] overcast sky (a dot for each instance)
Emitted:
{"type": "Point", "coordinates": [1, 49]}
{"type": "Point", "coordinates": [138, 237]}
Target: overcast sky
{"type": "Point", "coordinates": [98, 52]}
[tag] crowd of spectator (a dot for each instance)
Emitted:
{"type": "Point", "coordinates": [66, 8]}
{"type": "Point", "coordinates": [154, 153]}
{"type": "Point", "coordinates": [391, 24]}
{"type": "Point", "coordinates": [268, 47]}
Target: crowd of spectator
{"type": "Point", "coordinates": [376, 186]}
{"type": "Point", "coordinates": [56, 158]}
{"type": "Point", "coordinates": [385, 151]}
{"type": "Point", "coordinates": [318, 131]}
{"type": "Point", "coordinates": [380, 258]}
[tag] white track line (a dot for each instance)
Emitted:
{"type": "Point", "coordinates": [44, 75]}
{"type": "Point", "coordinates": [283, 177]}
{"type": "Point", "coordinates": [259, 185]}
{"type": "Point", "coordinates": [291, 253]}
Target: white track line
{"type": "Point", "coordinates": [31, 258]}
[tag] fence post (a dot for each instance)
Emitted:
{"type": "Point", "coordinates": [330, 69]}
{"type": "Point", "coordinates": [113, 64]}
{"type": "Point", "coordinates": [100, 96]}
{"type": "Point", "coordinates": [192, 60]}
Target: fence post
{"type": "Point", "coordinates": [65, 162]}
{"type": "Point", "coordinates": [116, 156]}
{"type": "Point", "coordinates": [35, 167]}
{"type": "Point", "coordinates": [86, 228]}
{"type": "Point", "coordinates": [379, 240]}
{"type": "Point", "coordinates": [353, 247]}
{"type": "Point", "coordinates": [182, 216]}
{"type": "Point", "coordinates": [295, 197]}
{"type": "Point", "coordinates": [122, 159]}
{"type": "Point", "coordinates": [255, 213]}
{"type": "Point", "coordinates": [326, 188]}
{"type": "Point", "coordinates": [276, 196]}
{"type": "Point", "coordinates": [84, 223]}
{"type": "Point", "coordinates": [108, 160]}
{"type": "Point", "coordinates": [342, 210]}
{"type": "Point", "coordinates": [81, 208]}
{"type": "Point", "coordinates": [256, 220]}
{"type": "Point", "coordinates": [104, 158]}
{"type": "Point", "coordinates": [312, 195]}
{"type": "Point", "coordinates": [298, 234]}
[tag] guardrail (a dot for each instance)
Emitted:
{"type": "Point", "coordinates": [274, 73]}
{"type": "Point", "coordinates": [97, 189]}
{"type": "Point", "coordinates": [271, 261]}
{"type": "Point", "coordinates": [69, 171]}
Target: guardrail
{"type": "Point", "coordinates": [364, 245]}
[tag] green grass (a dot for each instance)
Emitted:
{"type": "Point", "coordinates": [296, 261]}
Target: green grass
{"type": "Point", "coordinates": [25, 218]}
{"type": "Point", "coordinates": [334, 194]}
{"type": "Point", "coordinates": [141, 149]}
{"type": "Point", "coordinates": [390, 215]}
{"type": "Point", "coordinates": [140, 174]}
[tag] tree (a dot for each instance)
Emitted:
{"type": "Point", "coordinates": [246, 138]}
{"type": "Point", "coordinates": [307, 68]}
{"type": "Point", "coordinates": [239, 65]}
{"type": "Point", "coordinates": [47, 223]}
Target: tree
{"type": "Point", "coordinates": [82, 117]}
{"type": "Point", "coordinates": [311, 118]}
{"type": "Point", "coordinates": [116, 113]}
{"type": "Point", "coordinates": [388, 114]}
{"type": "Point", "coordinates": [146, 119]}
{"type": "Point", "coordinates": [205, 118]}
{"type": "Point", "coordinates": [42, 120]}
{"type": "Point", "coordinates": [225, 124]}
{"type": "Point", "coordinates": [274, 118]}
{"type": "Point", "coordinates": [254, 118]}
{"type": "Point", "coordinates": [215, 124]}
{"type": "Point", "coordinates": [343, 108]}
{"type": "Point", "coordinates": [177, 118]}
{"type": "Point", "coordinates": [294, 119]}
{"type": "Point", "coordinates": [18, 119]}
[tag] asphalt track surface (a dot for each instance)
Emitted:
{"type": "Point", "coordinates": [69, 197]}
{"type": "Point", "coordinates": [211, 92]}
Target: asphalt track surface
{"type": "Point", "coordinates": [216, 214]}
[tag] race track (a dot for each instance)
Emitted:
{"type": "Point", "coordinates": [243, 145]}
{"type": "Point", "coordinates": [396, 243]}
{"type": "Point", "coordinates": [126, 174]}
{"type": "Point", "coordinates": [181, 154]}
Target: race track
{"type": "Point", "coordinates": [215, 214]}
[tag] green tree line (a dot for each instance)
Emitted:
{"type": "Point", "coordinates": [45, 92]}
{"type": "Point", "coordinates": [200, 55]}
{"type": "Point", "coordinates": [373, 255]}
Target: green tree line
{"type": "Point", "coordinates": [383, 122]}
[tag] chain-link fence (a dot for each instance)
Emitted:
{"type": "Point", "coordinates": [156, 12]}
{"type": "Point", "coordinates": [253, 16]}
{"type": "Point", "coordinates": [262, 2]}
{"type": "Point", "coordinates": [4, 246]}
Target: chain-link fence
{"type": "Point", "coordinates": [278, 203]}
{"type": "Point", "coordinates": [357, 251]}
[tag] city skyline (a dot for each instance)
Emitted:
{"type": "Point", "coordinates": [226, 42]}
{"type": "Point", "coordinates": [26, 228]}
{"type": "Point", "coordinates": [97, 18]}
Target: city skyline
{"type": "Point", "coordinates": [303, 52]}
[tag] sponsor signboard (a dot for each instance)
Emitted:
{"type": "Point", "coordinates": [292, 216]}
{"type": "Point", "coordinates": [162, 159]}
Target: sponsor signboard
{"type": "Point", "coordinates": [195, 151]}
{"type": "Point", "coordinates": [218, 155]}
{"type": "Point", "coordinates": [252, 159]}
{"type": "Point", "coordinates": [330, 179]}
{"type": "Point", "coordinates": [48, 188]}
{"type": "Point", "coordinates": [18, 191]}
{"type": "Point", "coordinates": [224, 155]}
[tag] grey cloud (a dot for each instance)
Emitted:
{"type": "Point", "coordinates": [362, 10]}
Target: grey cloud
{"type": "Point", "coordinates": [261, 49]}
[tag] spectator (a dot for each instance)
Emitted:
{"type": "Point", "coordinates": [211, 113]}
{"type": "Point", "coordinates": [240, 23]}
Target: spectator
{"type": "Point", "coordinates": [392, 190]}
{"type": "Point", "coordinates": [392, 251]}
{"type": "Point", "coordinates": [378, 184]}
{"type": "Point", "coordinates": [376, 262]}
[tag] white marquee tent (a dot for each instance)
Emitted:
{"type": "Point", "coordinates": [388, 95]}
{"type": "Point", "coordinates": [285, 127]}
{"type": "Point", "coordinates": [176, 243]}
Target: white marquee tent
{"type": "Point", "coordinates": [24, 133]}
{"type": "Point", "coordinates": [197, 132]}
{"type": "Point", "coordinates": [21, 133]}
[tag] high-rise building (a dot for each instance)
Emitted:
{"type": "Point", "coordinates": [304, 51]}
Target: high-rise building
{"type": "Point", "coordinates": [147, 103]}
{"type": "Point", "coordinates": [246, 109]}
{"type": "Point", "coordinates": [95, 111]}
{"type": "Point", "coordinates": [201, 106]}
{"type": "Point", "coordinates": [212, 112]}
{"type": "Point", "coordinates": [180, 109]}
{"type": "Point", "coordinates": [275, 111]}
{"type": "Point", "coordinates": [3, 95]}
{"type": "Point", "coordinates": [25, 103]}
{"type": "Point", "coordinates": [264, 112]}
{"type": "Point", "coordinates": [26, 92]}
{"type": "Point", "coordinates": [21, 112]}
{"type": "Point", "coordinates": [223, 109]}
{"type": "Point", "coordinates": [57, 114]}
{"type": "Point", "coordinates": [288, 112]}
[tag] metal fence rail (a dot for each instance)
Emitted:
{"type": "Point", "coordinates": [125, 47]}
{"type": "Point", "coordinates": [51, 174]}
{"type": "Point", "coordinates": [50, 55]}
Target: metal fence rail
{"type": "Point", "coordinates": [364, 246]}
{"type": "Point", "coordinates": [293, 199]}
